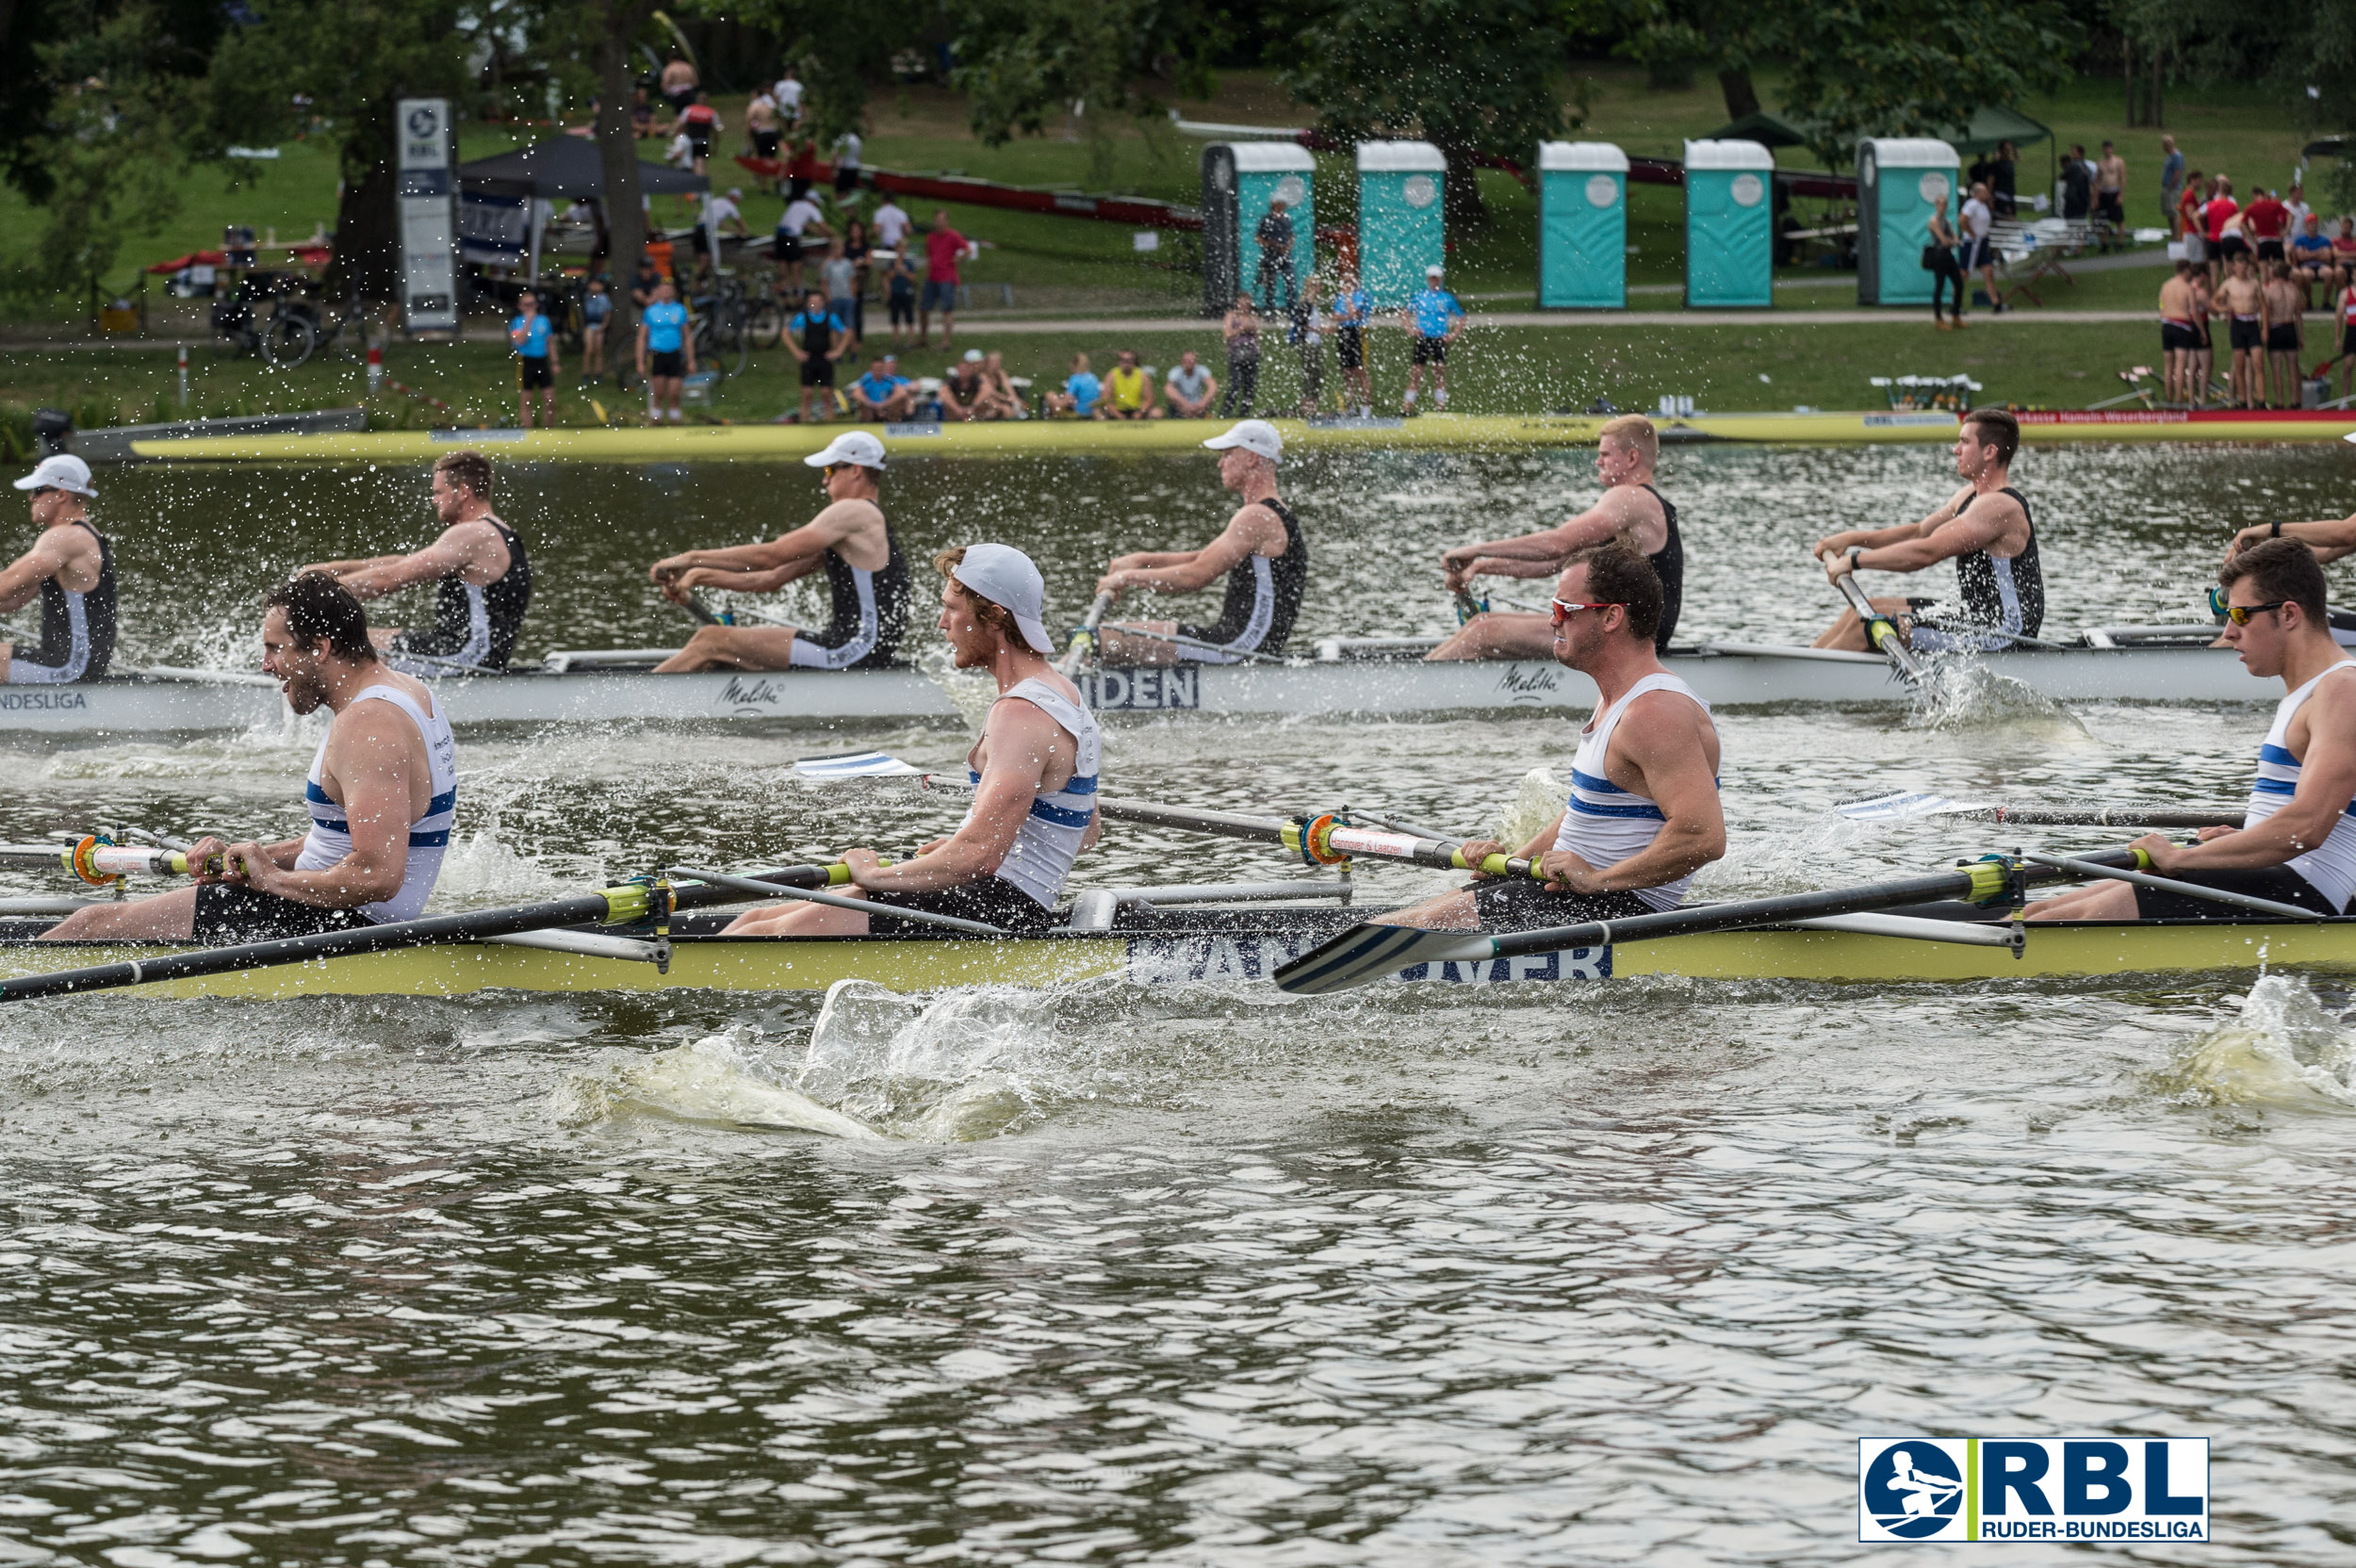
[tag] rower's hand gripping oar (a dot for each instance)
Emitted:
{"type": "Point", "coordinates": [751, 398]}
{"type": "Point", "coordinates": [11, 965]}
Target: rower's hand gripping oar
{"type": "Point", "coordinates": [1371, 952]}
{"type": "Point", "coordinates": [1085, 639]}
{"type": "Point", "coordinates": [1880, 631]}
{"type": "Point", "coordinates": [646, 902]}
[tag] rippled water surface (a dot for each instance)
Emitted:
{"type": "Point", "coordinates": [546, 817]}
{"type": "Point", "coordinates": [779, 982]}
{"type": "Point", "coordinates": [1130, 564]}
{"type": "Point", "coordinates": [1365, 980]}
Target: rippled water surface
{"type": "Point", "coordinates": [1194, 1275]}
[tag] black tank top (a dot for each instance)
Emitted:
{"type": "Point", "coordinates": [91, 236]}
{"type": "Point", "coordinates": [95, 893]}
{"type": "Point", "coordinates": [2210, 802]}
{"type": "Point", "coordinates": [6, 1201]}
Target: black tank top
{"type": "Point", "coordinates": [1264, 592]}
{"type": "Point", "coordinates": [2005, 592]}
{"type": "Point", "coordinates": [502, 601]}
{"type": "Point", "coordinates": [1668, 561]}
{"type": "Point", "coordinates": [890, 589]}
{"type": "Point", "coordinates": [817, 334]}
{"type": "Point", "coordinates": [98, 615]}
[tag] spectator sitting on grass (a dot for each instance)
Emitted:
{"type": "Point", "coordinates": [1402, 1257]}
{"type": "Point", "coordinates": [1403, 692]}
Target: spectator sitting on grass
{"type": "Point", "coordinates": [961, 387]}
{"type": "Point", "coordinates": [883, 393]}
{"type": "Point", "coordinates": [1128, 392]}
{"type": "Point", "coordinates": [1000, 401]}
{"type": "Point", "coordinates": [1080, 391]}
{"type": "Point", "coordinates": [2311, 257]}
{"type": "Point", "coordinates": [1190, 387]}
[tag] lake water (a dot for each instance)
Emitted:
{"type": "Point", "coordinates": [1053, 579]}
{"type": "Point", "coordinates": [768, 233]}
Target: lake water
{"type": "Point", "coordinates": [1423, 1276]}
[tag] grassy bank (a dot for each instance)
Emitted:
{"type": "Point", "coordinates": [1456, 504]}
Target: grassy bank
{"type": "Point", "coordinates": [1512, 369]}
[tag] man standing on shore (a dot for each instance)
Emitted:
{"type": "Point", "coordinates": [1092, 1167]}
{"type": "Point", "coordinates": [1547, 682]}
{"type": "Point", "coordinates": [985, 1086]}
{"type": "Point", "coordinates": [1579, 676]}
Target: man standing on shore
{"type": "Point", "coordinates": [944, 248]}
{"type": "Point", "coordinates": [1432, 319]}
{"type": "Point", "coordinates": [2110, 191]}
{"type": "Point", "coordinates": [2171, 181]}
{"type": "Point", "coordinates": [536, 357]}
{"type": "Point", "coordinates": [1275, 238]}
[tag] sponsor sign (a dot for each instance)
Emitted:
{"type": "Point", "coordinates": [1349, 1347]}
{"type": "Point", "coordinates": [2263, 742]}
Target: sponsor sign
{"type": "Point", "coordinates": [1146, 688]}
{"type": "Point", "coordinates": [1905, 421]}
{"type": "Point", "coordinates": [429, 216]}
{"type": "Point", "coordinates": [22, 700]}
{"type": "Point", "coordinates": [2085, 1490]}
{"type": "Point", "coordinates": [1178, 961]}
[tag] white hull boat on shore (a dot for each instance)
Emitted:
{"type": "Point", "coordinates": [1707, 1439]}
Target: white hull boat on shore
{"type": "Point", "coordinates": [1346, 677]}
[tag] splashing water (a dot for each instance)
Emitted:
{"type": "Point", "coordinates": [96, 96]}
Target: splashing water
{"type": "Point", "coordinates": [2284, 1048]}
{"type": "Point", "coordinates": [721, 1078]}
{"type": "Point", "coordinates": [1534, 805]}
{"type": "Point", "coordinates": [1963, 693]}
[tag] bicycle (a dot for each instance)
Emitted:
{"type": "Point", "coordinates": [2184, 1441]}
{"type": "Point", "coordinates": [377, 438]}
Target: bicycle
{"type": "Point", "coordinates": [719, 322]}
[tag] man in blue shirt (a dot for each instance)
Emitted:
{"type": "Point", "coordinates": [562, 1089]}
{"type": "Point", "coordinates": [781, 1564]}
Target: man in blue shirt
{"type": "Point", "coordinates": [666, 354]}
{"type": "Point", "coordinates": [1080, 391]}
{"type": "Point", "coordinates": [535, 355]}
{"type": "Point", "coordinates": [2310, 258]}
{"type": "Point", "coordinates": [1433, 317]}
{"type": "Point", "coordinates": [817, 337]}
{"type": "Point", "coordinates": [1353, 309]}
{"type": "Point", "coordinates": [883, 393]}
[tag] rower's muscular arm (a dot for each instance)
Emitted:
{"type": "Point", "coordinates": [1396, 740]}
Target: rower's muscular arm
{"type": "Point", "coordinates": [762, 568]}
{"type": "Point", "coordinates": [19, 584]}
{"type": "Point", "coordinates": [369, 755]}
{"type": "Point", "coordinates": [2330, 539]}
{"type": "Point", "coordinates": [1251, 532]}
{"type": "Point", "coordinates": [2327, 782]}
{"type": "Point", "coordinates": [462, 547]}
{"type": "Point", "coordinates": [1020, 741]}
{"type": "Point", "coordinates": [1622, 509]}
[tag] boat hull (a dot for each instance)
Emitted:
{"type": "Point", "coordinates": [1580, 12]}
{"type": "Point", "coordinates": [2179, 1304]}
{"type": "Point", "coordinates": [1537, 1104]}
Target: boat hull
{"type": "Point", "coordinates": [1084, 437]}
{"type": "Point", "coordinates": [1737, 677]}
{"type": "Point", "coordinates": [722, 964]}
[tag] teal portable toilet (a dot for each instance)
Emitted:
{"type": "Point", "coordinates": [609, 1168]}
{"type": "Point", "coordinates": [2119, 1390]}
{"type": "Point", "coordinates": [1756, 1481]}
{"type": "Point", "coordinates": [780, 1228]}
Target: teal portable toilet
{"type": "Point", "coordinates": [1900, 182]}
{"type": "Point", "coordinates": [1400, 229]}
{"type": "Point", "coordinates": [1582, 226]}
{"type": "Point", "coordinates": [1729, 224]}
{"type": "Point", "coordinates": [1239, 181]}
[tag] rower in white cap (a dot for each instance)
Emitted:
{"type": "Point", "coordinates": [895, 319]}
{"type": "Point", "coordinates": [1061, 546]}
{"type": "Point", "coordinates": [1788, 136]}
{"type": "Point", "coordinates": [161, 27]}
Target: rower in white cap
{"type": "Point", "coordinates": [71, 570]}
{"type": "Point", "coordinates": [1432, 319]}
{"type": "Point", "coordinates": [1034, 773]}
{"type": "Point", "coordinates": [1260, 553]}
{"type": "Point", "coordinates": [867, 579]}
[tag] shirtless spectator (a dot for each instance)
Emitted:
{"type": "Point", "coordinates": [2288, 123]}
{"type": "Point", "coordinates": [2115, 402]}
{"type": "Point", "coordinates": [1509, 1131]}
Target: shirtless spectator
{"type": "Point", "coordinates": [680, 82]}
{"type": "Point", "coordinates": [2204, 310]}
{"type": "Point", "coordinates": [2285, 304]}
{"type": "Point", "coordinates": [1190, 389]}
{"type": "Point", "coordinates": [2241, 299]}
{"type": "Point", "coordinates": [2179, 335]}
{"type": "Point", "coordinates": [2110, 193]}
{"type": "Point", "coordinates": [1000, 401]}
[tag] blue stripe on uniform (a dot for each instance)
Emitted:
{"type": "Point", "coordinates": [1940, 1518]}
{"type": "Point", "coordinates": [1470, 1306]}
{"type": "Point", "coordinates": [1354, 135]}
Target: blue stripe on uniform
{"type": "Point", "coordinates": [1587, 808]}
{"type": "Point", "coordinates": [1061, 816]}
{"type": "Point", "coordinates": [2276, 754]}
{"type": "Point", "coordinates": [2275, 786]}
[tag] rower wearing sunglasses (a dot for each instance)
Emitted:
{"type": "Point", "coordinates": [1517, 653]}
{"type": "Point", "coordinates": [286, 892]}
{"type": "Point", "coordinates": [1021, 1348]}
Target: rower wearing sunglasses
{"type": "Point", "coordinates": [71, 569]}
{"type": "Point", "coordinates": [2296, 841]}
{"type": "Point", "coordinates": [1631, 508]}
{"type": "Point", "coordinates": [867, 579]}
{"type": "Point", "coordinates": [1643, 814]}
{"type": "Point", "coordinates": [1985, 529]}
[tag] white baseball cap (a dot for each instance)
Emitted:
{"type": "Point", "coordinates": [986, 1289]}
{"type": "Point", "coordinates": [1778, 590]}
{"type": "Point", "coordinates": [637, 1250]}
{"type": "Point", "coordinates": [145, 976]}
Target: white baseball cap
{"type": "Point", "coordinates": [1252, 436]}
{"type": "Point", "coordinates": [1004, 575]}
{"type": "Point", "coordinates": [852, 446]}
{"type": "Point", "coordinates": [972, 356]}
{"type": "Point", "coordinates": [1433, 271]}
{"type": "Point", "coordinates": [62, 472]}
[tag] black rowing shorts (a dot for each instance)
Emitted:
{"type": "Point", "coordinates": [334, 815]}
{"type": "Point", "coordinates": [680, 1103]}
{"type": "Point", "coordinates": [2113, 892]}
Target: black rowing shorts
{"type": "Point", "coordinates": [228, 913]}
{"type": "Point", "coordinates": [993, 900]}
{"type": "Point", "coordinates": [2279, 883]}
{"type": "Point", "coordinates": [1429, 351]}
{"type": "Point", "coordinates": [1350, 346]}
{"type": "Point", "coordinates": [536, 372]}
{"type": "Point", "coordinates": [1523, 904]}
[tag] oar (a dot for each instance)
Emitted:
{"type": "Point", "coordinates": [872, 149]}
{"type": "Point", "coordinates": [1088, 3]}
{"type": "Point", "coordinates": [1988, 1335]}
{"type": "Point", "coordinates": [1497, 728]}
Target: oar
{"type": "Point", "coordinates": [99, 861]}
{"type": "Point", "coordinates": [751, 888]}
{"type": "Point", "coordinates": [1180, 639]}
{"type": "Point", "coordinates": [1322, 840]}
{"type": "Point", "coordinates": [629, 902]}
{"type": "Point", "coordinates": [1905, 807]}
{"type": "Point", "coordinates": [1880, 631]}
{"type": "Point", "coordinates": [1369, 951]}
{"type": "Point", "coordinates": [1084, 638]}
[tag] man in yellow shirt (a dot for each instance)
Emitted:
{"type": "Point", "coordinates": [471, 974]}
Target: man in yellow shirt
{"type": "Point", "coordinates": [1128, 392]}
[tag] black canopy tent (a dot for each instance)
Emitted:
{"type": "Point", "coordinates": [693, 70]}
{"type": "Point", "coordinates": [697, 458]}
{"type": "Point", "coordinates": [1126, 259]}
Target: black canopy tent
{"type": "Point", "coordinates": [567, 166]}
{"type": "Point", "coordinates": [1992, 126]}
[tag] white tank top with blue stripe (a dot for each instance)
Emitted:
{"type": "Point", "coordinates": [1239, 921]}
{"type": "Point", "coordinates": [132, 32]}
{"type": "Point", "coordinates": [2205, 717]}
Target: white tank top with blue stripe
{"type": "Point", "coordinates": [2330, 866]}
{"type": "Point", "coordinates": [1049, 840]}
{"type": "Point", "coordinates": [1602, 823]}
{"type": "Point", "coordinates": [330, 838]}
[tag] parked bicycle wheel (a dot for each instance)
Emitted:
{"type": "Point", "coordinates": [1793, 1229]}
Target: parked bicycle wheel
{"type": "Point", "coordinates": [290, 338]}
{"type": "Point", "coordinates": [764, 323]}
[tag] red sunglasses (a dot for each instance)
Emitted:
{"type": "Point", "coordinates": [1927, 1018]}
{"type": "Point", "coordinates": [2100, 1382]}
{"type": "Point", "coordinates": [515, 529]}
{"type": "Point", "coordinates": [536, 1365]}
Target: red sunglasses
{"type": "Point", "coordinates": [1565, 610]}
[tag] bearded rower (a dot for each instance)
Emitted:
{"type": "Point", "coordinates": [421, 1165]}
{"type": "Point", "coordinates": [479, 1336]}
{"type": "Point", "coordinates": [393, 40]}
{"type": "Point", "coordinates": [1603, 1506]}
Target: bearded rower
{"type": "Point", "coordinates": [1985, 529]}
{"type": "Point", "coordinates": [71, 570]}
{"type": "Point", "coordinates": [1627, 451]}
{"type": "Point", "coordinates": [1034, 773]}
{"type": "Point", "coordinates": [382, 794]}
{"type": "Point", "coordinates": [484, 580]}
{"type": "Point", "coordinates": [2297, 843]}
{"type": "Point", "coordinates": [1261, 552]}
{"type": "Point", "coordinates": [1643, 814]}
{"type": "Point", "coordinates": [867, 578]}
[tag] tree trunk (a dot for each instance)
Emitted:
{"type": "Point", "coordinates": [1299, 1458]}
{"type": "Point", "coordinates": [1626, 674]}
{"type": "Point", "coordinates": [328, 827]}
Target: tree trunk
{"type": "Point", "coordinates": [366, 257]}
{"type": "Point", "coordinates": [2127, 71]}
{"type": "Point", "coordinates": [1459, 195]}
{"type": "Point", "coordinates": [624, 219]}
{"type": "Point", "coordinates": [1742, 97]}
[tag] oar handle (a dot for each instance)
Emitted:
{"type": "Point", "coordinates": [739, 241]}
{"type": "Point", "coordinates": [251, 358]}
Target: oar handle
{"type": "Point", "coordinates": [1880, 629]}
{"type": "Point", "coordinates": [1085, 639]}
{"type": "Point", "coordinates": [694, 606]}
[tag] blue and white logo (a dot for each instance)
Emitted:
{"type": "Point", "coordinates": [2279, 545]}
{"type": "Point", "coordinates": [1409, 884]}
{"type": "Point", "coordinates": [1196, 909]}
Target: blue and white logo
{"type": "Point", "coordinates": [1913, 1490]}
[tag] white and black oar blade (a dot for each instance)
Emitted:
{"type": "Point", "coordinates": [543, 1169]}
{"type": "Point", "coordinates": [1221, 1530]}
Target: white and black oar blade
{"type": "Point", "coordinates": [1901, 808]}
{"type": "Point", "coordinates": [855, 764]}
{"type": "Point", "coordinates": [1366, 953]}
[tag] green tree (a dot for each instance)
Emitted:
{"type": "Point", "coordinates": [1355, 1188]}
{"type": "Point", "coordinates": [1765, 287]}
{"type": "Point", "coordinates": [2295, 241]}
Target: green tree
{"type": "Point", "coordinates": [1469, 76]}
{"type": "Point", "coordinates": [2304, 57]}
{"type": "Point", "coordinates": [1022, 61]}
{"type": "Point", "coordinates": [1674, 39]}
